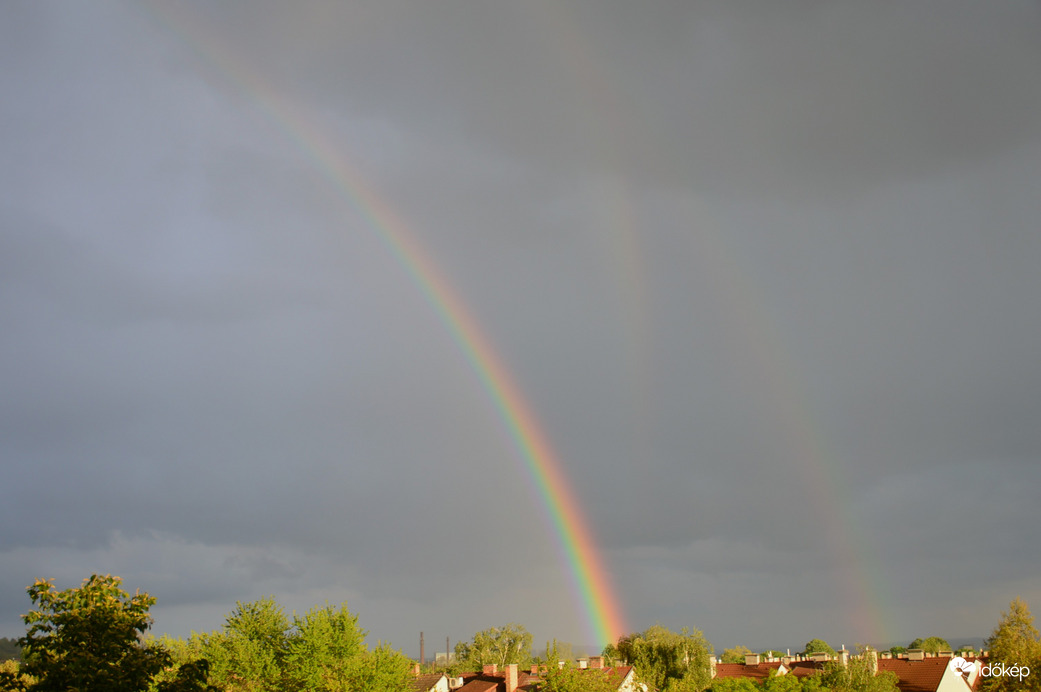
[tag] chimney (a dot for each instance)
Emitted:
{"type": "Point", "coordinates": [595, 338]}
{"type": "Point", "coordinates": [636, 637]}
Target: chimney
{"type": "Point", "coordinates": [596, 662]}
{"type": "Point", "coordinates": [844, 656]}
{"type": "Point", "coordinates": [583, 663]}
{"type": "Point", "coordinates": [915, 655]}
{"type": "Point", "coordinates": [751, 659]}
{"type": "Point", "coordinates": [712, 666]}
{"type": "Point", "coordinates": [490, 669]}
{"type": "Point", "coordinates": [415, 669]}
{"type": "Point", "coordinates": [511, 677]}
{"type": "Point", "coordinates": [872, 660]}
{"type": "Point", "coordinates": [534, 669]}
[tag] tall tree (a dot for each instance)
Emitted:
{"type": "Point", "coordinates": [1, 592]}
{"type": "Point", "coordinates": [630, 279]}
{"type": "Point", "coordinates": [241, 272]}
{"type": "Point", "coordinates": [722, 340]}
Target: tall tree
{"type": "Point", "coordinates": [325, 650]}
{"type": "Point", "coordinates": [89, 638]}
{"type": "Point", "coordinates": [498, 645]}
{"type": "Point", "coordinates": [663, 658]}
{"type": "Point", "coordinates": [1015, 642]}
{"type": "Point", "coordinates": [248, 654]}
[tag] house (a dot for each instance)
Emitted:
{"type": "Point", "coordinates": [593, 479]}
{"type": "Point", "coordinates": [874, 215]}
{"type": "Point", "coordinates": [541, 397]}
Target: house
{"type": "Point", "coordinates": [757, 669]}
{"type": "Point", "coordinates": [918, 671]}
{"type": "Point", "coordinates": [510, 679]}
{"type": "Point", "coordinates": [430, 682]}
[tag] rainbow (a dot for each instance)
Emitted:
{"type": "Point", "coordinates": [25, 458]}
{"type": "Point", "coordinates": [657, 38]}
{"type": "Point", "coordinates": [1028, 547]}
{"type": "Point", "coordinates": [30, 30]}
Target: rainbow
{"type": "Point", "coordinates": [588, 574]}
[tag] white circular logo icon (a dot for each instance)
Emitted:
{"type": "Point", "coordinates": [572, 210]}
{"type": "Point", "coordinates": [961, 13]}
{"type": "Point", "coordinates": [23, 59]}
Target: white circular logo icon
{"type": "Point", "coordinates": [962, 667]}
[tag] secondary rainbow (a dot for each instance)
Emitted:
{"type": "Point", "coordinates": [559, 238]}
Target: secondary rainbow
{"type": "Point", "coordinates": [588, 574]}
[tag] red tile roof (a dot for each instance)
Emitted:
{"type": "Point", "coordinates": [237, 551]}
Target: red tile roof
{"type": "Point", "coordinates": [742, 670]}
{"type": "Point", "coordinates": [423, 683]}
{"type": "Point", "coordinates": [916, 676]}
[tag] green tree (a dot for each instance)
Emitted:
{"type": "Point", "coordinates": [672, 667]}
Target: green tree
{"type": "Point", "coordinates": [325, 649]}
{"type": "Point", "coordinates": [89, 638]}
{"type": "Point", "coordinates": [735, 655]}
{"type": "Point", "coordinates": [735, 685]}
{"type": "Point", "coordinates": [662, 658]}
{"type": "Point", "coordinates": [567, 677]}
{"type": "Point", "coordinates": [1015, 642]}
{"type": "Point", "coordinates": [856, 675]}
{"type": "Point", "coordinates": [815, 646]}
{"type": "Point", "coordinates": [381, 670]}
{"type": "Point", "coordinates": [498, 645]}
{"type": "Point", "coordinates": [261, 650]}
{"type": "Point", "coordinates": [930, 644]}
{"type": "Point", "coordinates": [248, 655]}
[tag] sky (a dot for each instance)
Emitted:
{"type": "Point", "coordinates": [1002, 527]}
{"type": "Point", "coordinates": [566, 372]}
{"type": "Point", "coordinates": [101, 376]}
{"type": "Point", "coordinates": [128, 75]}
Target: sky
{"type": "Point", "coordinates": [764, 275]}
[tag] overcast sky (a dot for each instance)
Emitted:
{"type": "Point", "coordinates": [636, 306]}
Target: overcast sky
{"type": "Point", "coordinates": [766, 272]}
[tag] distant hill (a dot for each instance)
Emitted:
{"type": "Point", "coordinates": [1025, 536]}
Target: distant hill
{"type": "Point", "coordinates": [9, 649]}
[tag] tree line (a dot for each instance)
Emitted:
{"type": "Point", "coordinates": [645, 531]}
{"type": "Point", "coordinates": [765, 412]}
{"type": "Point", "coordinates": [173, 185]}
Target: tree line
{"type": "Point", "coordinates": [93, 639]}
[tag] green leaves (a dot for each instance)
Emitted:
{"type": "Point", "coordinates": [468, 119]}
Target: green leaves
{"type": "Point", "coordinates": [498, 645]}
{"type": "Point", "coordinates": [1015, 642]}
{"type": "Point", "coordinates": [88, 638]}
{"type": "Point", "coordinates": [663, 658]}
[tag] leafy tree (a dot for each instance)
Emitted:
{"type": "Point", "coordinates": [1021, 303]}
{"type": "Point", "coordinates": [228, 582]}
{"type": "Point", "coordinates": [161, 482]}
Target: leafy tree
{"type": "Point", "coordinates": [783, 683]}
{"type": "Point", "coordinates": [897, 650]}
{"type": "Point", "coordinates": [382, 670]}
{"type": "Point", "coordinates": [498, 645]}
{"type": "Point", "coordinates": [930, 644]}
{"type": "Point", "coordinates": [1015, 642]}
{"type": "Point", "coordinates": [772, 653]}
{"type": "Point", "coordinates": [88, 638]}
{"type": "Point", "coordinates": [248, 655]}
{"type": "Point", "coordinates": [815, 646]}
{"type": "Point", "coordinates": [735, 685]}
{"type": "Point", "coordinates": [11, 677]}
{"type": "Point", "coordinates": [662, 658]}
{"type": "Point", "coordinates": [261, 650]}
{"type": "Point", "coordinates": [736, 655]}
{"type": "Point", "coordinates": [325, 649]}
{"type": "Point", "coordinates": [856, 675]}
{"type": "Point", "coordinates": [568, 678]}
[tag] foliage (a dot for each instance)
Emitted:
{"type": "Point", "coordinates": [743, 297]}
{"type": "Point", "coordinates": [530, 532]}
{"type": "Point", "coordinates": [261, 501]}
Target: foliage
{"type": "Point", "coordinates": [382, 670]}
{"type": "Point", "coordinates": [261, 650]}
{"type": "Point", "coordinates": [897, 649]}
{"type": "Point", "coordinates": [325, 649]}
{"type": "Point", "coordinates": [735, 655]}
{"type": "Point", "coordinates": [248, 654]}
{"type": "Point", "coordinates": [735, 685]}
{"type": "Point", "coordinates": [1015, 642]}
{"type": "Point", "coordinates": [815, 646]}
{"type": "Point", "coordinates": [88, 638]}
{"type": "Point", "coordinates": [11, 678]}
{"type": "Point", "coordinates": [568, 678]}
{"type": "Point", "coordinates": [856, 675]}
{"type": "Point", "coordinates": [930, 644]}
{"type": "Point", "coordinates": [662, 658]}
{"type": "Point", "coordinates": [498, 645]}
{"type": "Point", "coordinates": [772, 653]}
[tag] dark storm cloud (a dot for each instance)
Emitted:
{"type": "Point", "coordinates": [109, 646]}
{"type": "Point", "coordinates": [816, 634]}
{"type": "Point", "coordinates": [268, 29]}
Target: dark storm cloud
{"type": "Point", "coordinates": [766, 274]}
